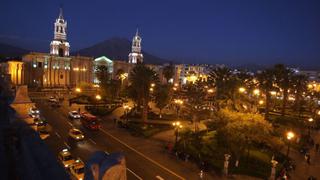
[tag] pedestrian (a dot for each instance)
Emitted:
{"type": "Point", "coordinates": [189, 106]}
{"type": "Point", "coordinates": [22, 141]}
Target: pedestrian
{"type": "Point", "coordinates": [79, 110]}
{"type": "Point", "coordinates": [317, 147]}
{"type": "Point", "coordinates": [201, 174]}
{"type": "Point", "coordinates": [308, 159]}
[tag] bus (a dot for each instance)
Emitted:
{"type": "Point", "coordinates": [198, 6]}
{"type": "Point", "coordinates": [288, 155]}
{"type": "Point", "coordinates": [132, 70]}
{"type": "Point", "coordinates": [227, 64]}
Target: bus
{"type": "Point", "coordinates": [89, 121]}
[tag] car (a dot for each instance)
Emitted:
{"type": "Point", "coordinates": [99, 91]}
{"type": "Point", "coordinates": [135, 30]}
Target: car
{"type": "Point", "coordinates": [74, 115]}
{"type": "Point", "coordinates": [44, 134]}
{"type": "Point", "coordinates": [52, 99]}
{"type": "Point", "coordinates": [77, 169]}
{"type": "Point", "coordinates": [34, 112]}
{"type": "Point", "coordinates": [76, 134]}
{"type": "Point", "coordinates": [66, 158]}
{"type": "Point", "coordinates": [55, 104]}
{"type": "Point", "coordinates": [37, 120]}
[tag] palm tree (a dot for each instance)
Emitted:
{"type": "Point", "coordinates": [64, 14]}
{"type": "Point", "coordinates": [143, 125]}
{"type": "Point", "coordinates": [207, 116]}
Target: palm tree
{"type": "Point", "coordinates": [162, 97]}
{"type": "Point", "coordinates": [266, 80]}
{"type": "Point", "coordinates": [219, 78]}
{"type": "Point", "coordinates": [299, 86]}
{"type": "Point", "coordinates": [141, 78]}
{"type": "Point", "coordinates": [168, 72]}
{"type": "Point", "coordinates": [283, 80]}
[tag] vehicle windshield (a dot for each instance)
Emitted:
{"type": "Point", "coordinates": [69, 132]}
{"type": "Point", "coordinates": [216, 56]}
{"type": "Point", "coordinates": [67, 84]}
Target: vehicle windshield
{"type": "Point", "coordinates": [80, 170]}
{"type": "Point", "coordinates": [76, 132]}
{"type": "Point", "coordinates": [67, 158]}
{"type": "Point", "coordinates": [74, 113]}
{"type": "Point", "coordinates": [34, 109]}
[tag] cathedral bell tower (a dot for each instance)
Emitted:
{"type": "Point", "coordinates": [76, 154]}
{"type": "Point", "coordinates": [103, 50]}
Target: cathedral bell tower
{"type": "Point", "coordinates": [136, 56]}
{"type": "Point", "coordinates": [59, 45]}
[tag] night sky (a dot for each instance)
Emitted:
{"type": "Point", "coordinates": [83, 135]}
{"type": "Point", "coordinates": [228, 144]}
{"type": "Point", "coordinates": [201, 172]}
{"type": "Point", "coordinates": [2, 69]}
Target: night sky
{"type": "Point", "coordinates": [212, 31]}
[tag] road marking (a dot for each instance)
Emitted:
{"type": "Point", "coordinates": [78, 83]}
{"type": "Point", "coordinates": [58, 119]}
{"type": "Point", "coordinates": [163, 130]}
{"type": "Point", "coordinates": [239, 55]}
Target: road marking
{"type": "Point", "coordinates": [159, 177]}
{"type": "Point", "coordinates": [67, 145]}
{"type": "Point", "coordinates": [58, 135]}
{"type": "Point", "coordinates": [136, 175]}
{"type": "Point", "coordinates": [146, 157]}
{"type": "Point", "coordinates": [70, 123]}
{"type": "Point", "coordinates": [92, 141]}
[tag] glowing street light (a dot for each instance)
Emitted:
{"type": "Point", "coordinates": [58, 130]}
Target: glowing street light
{"type": "Point", "coordinates": [153, 84]}
{"type": "Point", "coordinates": [210, 91]}
{"type": "Point", "coordinates": [256, 92]}
{"type": "Point", "coordinates": [261, 102]}
{"type": "Point", "coordinates": [151, 89]}
{"type": "Point", "coordinates": [290, 136]}
{"type": "Point", "coordinates": [310, 120]}
{"type": "Point", "coordinates": [78, 90]}
{"type": "Point", "coordinates": [242, 89]}
{"type": "Point", "coordinates": [176, 126]}
{"type": "Point", "coordinates": [273, 93]}
{"type": "Point", "coordinates": [98, 97]}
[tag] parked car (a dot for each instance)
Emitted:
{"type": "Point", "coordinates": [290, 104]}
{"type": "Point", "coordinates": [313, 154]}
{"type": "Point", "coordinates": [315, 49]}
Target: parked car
{"type": "Point", "coordinates": [74, 115]}
{"type": "Point", "coordinates": [77, 169]}
{"type": "Point", "coordinates": [52, 99]}
{"type": "Point", "coordinates": [89, 121]}
{"type": "Point", "coordinates": [66, 158]}
{"type": "Point", "coordinates": [76, 134]}
{"type": "Point", "coordinates": [34, 112]}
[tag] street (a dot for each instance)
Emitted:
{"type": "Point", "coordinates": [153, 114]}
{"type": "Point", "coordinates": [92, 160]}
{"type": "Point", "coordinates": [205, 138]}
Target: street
{"type": "Point", "coordinates": [139, 166]}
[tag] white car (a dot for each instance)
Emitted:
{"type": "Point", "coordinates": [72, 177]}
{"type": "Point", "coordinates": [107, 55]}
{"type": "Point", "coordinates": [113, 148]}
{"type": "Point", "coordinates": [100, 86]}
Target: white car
{"type": "Point", "coordinates": [66, 158]}
{"type": "Point", "coordinates": [74, 115]}
{"type": "Point", "coordinates": [76, 134]}
{"type": "Point", "coordinates": [77, 169]}
{"type": "Point", "coordinates": [34, 112]}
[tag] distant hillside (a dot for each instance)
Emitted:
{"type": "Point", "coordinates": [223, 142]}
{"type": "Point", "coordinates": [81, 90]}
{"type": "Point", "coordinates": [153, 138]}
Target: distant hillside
{"type": "Point", "coordinates": [7, 50]}
{"type": "Point", "coordinates": [117, 49]}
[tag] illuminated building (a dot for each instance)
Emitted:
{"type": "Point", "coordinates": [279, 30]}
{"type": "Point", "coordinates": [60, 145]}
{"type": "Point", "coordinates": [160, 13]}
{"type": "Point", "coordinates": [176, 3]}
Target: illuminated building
{"type": "Point", "coordinates": [136, 56]}
{"type": "Point", "coordinates": [57, 69]}
{"type": "Point", "coordinates": [14, 69]}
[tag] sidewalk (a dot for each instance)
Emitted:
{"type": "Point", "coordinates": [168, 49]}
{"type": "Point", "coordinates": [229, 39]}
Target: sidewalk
{"type": "Point", "coordinates": [304, 170]}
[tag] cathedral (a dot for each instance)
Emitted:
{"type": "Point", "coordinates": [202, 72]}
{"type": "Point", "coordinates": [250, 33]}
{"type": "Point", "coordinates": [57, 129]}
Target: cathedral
{"type": "Point", "coordinates": [57, 68]}
{"type": "Point", "coordinates": [136, 56]}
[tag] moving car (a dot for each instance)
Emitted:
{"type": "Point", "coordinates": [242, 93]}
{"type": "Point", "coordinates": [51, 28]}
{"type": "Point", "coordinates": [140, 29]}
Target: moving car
{"type": "Point", "coordinates": [66, 158]}
{"type": "Point", "coordinates": [34, 112]}
{"type": "Point", "coordinates": [90, 121]}
{"type": "Point", "coordinates": [74, 115]}
{"type": "Point", "coordinates": [76, 134]}
{"type": "Point", "coordinates": [77, 169]}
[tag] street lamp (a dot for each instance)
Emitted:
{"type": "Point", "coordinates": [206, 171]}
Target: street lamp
{"type": "Point", "coordinates": [290, 136]}
{"type": "Point", "coordinates": [98, 97]}
{"type": "Point", "coordinates": [256, 92]}
{"type": "Point", "coordinates": [78, 90]}
{"type": "Point", "coordinates": [176, 126]}
{"type": "Point", "coordinates": [261, 102]}
{"type": "Point", "coordinates": [310, 120]}
{"type": "Point", "coordinates": [178, 102]}
{"type": "Point", "coordinates": [210, 91]}
{"type": "Point", "coordinates": [242, 89]}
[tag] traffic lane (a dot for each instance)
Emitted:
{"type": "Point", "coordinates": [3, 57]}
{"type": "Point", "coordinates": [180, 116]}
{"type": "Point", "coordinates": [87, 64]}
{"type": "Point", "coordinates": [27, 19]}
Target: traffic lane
{"type": "Point", "coordinates": [62, 125]}
{"type": "Point", "coordinates": [105, 142]}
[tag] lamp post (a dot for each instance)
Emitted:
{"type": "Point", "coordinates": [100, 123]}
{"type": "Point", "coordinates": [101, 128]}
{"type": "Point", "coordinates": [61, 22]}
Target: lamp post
{"type": "Point", "coordinates": [310, 120]}
{"type": "Point", "coordinates": [98, 98]}
{"type": "Point", "coordinates": [290, 136]}
{"type": "Point", "coordinates": [273, 169]}
{"type": "Point", "coordinates": [178, 102]}
{"type": "Point", "coordinates": [78, 90]}
{"type": "Point", "coordinates": [176, 126]}
{"type": "Point", "coordinates": [242, 89]}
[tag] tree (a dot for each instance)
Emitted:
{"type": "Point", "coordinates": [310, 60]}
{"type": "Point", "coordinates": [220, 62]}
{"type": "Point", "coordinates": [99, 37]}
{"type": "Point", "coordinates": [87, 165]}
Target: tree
{"type": "Point", "coordinates": [104, 78]}
{"type": "Point", "coordinates": [168, 72]}
{"type": "Point", "coordinates": [299, 83]}
{"type": "Point", "coordinates": [141, 78]}
{"type": "Point", "coordinates": [162, 97]}
{"type": "Point", "coordinates": [243, 129]}
{"type": "Point", "coordinates": [219, 78]}
{"type": "Point", "coordinates": [266, 80]}
{"type": "Point", "coordinates": [283, 80]}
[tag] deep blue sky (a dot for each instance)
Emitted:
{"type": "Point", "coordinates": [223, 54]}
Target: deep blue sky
{"type": "Point", "coordinates": [214, 31]}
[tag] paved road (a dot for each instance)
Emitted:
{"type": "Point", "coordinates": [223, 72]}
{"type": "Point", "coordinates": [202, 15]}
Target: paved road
{"type": "Point", "coordinates": [139, 165]}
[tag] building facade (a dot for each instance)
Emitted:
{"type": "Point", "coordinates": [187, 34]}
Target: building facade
{"type": "Point", "coordinates": [57, 69]}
